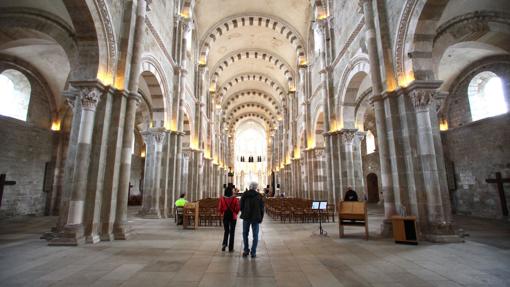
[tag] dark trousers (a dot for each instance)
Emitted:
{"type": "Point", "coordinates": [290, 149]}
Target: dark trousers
{"type": "Point", "coordinates": [230, 229]}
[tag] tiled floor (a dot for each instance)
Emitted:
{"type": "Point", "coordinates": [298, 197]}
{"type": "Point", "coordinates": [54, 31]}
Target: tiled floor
{"type": "Point", "coordinates": [160, 254]}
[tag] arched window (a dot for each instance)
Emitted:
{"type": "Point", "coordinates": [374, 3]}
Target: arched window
{"type": "Point", "coordinates": [14, 94]}
{"type": "Point", "coordinates": [486, 96]}
{"type": "Point", "coordinates": [370, 140]}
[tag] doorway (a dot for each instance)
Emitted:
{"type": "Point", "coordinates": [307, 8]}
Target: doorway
{"type": "Point", "coordinates": [373, 188]}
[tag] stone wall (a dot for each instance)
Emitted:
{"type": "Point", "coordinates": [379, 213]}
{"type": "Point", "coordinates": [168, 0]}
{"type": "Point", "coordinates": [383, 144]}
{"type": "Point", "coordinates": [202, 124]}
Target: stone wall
{"type": "Point", "coordinates": [26, 150]}
{"type": "Point", "coordinates": [475, 152]}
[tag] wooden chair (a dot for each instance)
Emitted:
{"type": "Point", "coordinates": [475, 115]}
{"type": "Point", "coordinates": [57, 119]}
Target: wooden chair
{"type": "Point", "coordinates": [353, 213]}
{"type": "Point", "coordinates": [190, 214]}
{"type": "Point", "coordinates": [179, 211]}
{"type": "Point", "coordinates": [330, 212]}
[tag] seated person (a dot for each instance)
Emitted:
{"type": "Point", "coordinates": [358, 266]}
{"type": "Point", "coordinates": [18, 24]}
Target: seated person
{"type": "Point", "coordinates": [179, 204]}
{"type": "Point", "coordinates": [350, 195]}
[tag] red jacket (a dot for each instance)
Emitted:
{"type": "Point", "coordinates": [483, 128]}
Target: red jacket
{"type": "Point", "coordinates": [231, 202]}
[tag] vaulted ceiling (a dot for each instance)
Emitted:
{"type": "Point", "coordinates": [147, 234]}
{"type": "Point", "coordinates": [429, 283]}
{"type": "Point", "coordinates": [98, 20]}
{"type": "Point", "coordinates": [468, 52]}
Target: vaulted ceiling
{"type": "Point", "coordinates": [252, 49]}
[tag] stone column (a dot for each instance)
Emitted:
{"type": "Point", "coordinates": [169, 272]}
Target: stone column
{"type": "Point", "coordinates": [347, 162]}
{"type": "Point", "coordinates": [73, 100]}
{"type": "Point", "coordinates": [73, 232]}
{"type": "Point", "coordinates": [359, 182]}
{"type": "Point", "coordinates": [380, 117]}
{"type": "Point", "coordinates": [109, 164]}
{"type": "Point", "coordinates": [336, 157]}
{"type": "Point", "coordinates": [150, 203]}
{"type": "Point", "coordinates": [434, 214]}
{"type": "Point", "coordinates": [121, 227]}
{"type": "Point", "coordinates": [296, 176]}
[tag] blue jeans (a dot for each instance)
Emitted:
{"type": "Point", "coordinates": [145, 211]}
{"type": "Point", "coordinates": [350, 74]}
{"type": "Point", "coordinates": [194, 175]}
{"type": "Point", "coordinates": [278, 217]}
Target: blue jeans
{"type": "Point", "coordinates": [246, 232]}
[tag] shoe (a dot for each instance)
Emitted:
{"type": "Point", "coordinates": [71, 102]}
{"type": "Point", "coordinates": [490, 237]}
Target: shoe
{"type": "Point", "coordinates": [223, 247]}
{"type": "Point", "coordinates": [253, 255]}
{"type": "Point", "coordinates": [231, 250]}
{"type": "Point", "coordinates": [245, 254]}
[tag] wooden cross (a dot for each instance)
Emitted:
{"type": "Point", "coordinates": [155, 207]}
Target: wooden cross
{"type": "Point", "coordinates": [3, 183]}
{"type": "Point", "coordinates": [499, 180]}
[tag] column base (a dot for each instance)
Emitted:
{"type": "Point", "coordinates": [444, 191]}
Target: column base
{"type": "Point", "coordinates": [107, 237]}
{"type": "Point", "coordinates": [442, 233]}
{"type": "Point", "coordinates": [92, 239]}
{"type": "Point", "coordinates": [121, 232]}
{"type": "Point", "coordinates": [150, 214]}
{"type": "Point", "coordinates": [386, 228]}
{"type": "Point", "coordinates": [434, 238]}
{"type": "Point", "coordinates": [72, 235]}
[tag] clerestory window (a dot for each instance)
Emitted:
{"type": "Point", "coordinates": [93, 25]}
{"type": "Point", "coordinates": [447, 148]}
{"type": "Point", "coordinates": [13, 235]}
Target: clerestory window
{"type": "Point", "coordinates": [14, 94]}
{"type": "Point", "coordinates": [486, 96]}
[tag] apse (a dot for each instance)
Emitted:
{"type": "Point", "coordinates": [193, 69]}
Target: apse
{"type": "Point", "coordinates": [250, 153]}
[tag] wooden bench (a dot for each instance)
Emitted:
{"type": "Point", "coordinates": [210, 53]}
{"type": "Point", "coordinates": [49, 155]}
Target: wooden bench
{"type": "Point", "coordinates": [353, 213]}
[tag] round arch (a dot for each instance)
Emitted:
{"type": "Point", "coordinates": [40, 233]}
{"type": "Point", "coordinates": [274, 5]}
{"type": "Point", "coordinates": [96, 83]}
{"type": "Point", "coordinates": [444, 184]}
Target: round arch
{"type": "Point", "coordinates": [264, 21]}
{"type": "Point", "coordinates": [253, 77]}
{"type": "Point", "coordinates": [262, 55]}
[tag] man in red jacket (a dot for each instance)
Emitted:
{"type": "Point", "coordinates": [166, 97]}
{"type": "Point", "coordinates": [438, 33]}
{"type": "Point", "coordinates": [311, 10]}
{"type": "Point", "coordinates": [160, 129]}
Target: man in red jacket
{"type": "Point", "coordinates": [229, 207]}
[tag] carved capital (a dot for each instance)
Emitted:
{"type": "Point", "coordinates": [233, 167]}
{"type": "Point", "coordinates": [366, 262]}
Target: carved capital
{"type": "Point", "coordinates": [70, 98]}
{"type": "Point", "coordinates": [347, 136]}
{"type": "Point", "coordinates": [159, 136]}
{"type": "Point", "coordinates": [90, 97]}
{"type": "Point", "coordinates": [422, 99]}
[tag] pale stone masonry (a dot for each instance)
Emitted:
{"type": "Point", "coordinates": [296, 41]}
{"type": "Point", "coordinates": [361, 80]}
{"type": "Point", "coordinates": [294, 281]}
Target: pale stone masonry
{"type": "Point", "coordinates": [162, 90]}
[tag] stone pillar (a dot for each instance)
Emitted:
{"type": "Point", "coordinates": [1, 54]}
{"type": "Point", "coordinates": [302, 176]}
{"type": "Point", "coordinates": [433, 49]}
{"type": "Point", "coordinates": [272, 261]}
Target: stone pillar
{"type": "Point", "coordinates": [154, 142]}
{"type": "Point", "coordinates": [359, 182]}
{"type": "Point", "coordinates": [121, 228]}
{"type": "Point", "coordinates": [433, 214]}
{"type": "Point", "coordinates": [173, 173]}
{"type": "Point", "coordinates": [296, 177]}
{"type": "Point", "coordinates": [385, 165]}
{"type": "Point", "coordinates": [73, 231]}
{"type": "Point", "coordinates": [73, 100]}
{"type": "Point", "coordinates": [112, 147]}
{"type": "Point", "coordinates": [347, 161]}
{"type": "Point", "coordinates": [336, 167]}
{"type": "Point", "coordinates": [164, 179]}
{"type": "Point", "coordinates": [195, 172]}
{"type": "Point", "coordinates": [380, 117]}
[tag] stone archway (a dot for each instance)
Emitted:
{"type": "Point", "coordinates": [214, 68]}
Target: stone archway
{"type": "Point", "coordinates": [372, 188]}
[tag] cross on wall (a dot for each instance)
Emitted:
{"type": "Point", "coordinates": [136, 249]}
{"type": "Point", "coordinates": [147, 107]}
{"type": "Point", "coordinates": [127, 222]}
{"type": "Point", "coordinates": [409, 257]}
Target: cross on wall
{"type": "Point", "coordinates": [499, 180]}
{"type": "Point", "coordinates": [3, 183]}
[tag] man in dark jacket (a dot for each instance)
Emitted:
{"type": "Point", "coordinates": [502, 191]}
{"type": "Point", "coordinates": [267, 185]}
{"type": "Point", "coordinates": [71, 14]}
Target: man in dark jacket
{"type": "Point", "coordinates": [350, 195]}
{"type": "Point", "coordinates": [252, 213]}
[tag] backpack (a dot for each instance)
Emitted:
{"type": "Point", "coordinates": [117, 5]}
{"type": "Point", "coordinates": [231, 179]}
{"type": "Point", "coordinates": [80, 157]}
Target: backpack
{"type": "Point", "coordinates": [228, 214]}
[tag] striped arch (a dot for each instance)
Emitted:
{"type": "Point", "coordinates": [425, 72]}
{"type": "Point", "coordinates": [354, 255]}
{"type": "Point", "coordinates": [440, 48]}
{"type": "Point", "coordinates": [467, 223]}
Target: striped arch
{"type": "Point", "coordinates": [150, 68]}
{"type": "Point", "coordinates": [354, 74]}
{"type": "Point", "coordinates": [262, 55]}
{"type": "Point", "coordinates": [250, 94]}
{"type": "Point", "coordinates": [251, 106]}
{"type": "Point", "coordinates": [234, 22]}
{"type": "Point", "coordinates": [262, 78]}
{"type": "Point", "coordinates": [241, 117]}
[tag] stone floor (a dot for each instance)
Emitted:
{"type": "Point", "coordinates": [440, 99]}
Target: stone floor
{"type": "Point", "coordinates": [160, 254]}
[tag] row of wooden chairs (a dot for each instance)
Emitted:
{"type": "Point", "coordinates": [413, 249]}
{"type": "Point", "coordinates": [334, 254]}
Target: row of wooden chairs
{"type": "Point", "coordinates": [297, 210]}
{"type": "Point", "coordinates": [208, 214]}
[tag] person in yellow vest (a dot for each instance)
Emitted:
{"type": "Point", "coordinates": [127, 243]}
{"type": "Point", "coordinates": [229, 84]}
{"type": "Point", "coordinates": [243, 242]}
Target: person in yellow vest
{"type": "Point", "coordinates": [179, 204]}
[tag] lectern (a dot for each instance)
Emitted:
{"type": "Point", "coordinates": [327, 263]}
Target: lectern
{"type": "Point", "coordinates": [404, 229]}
